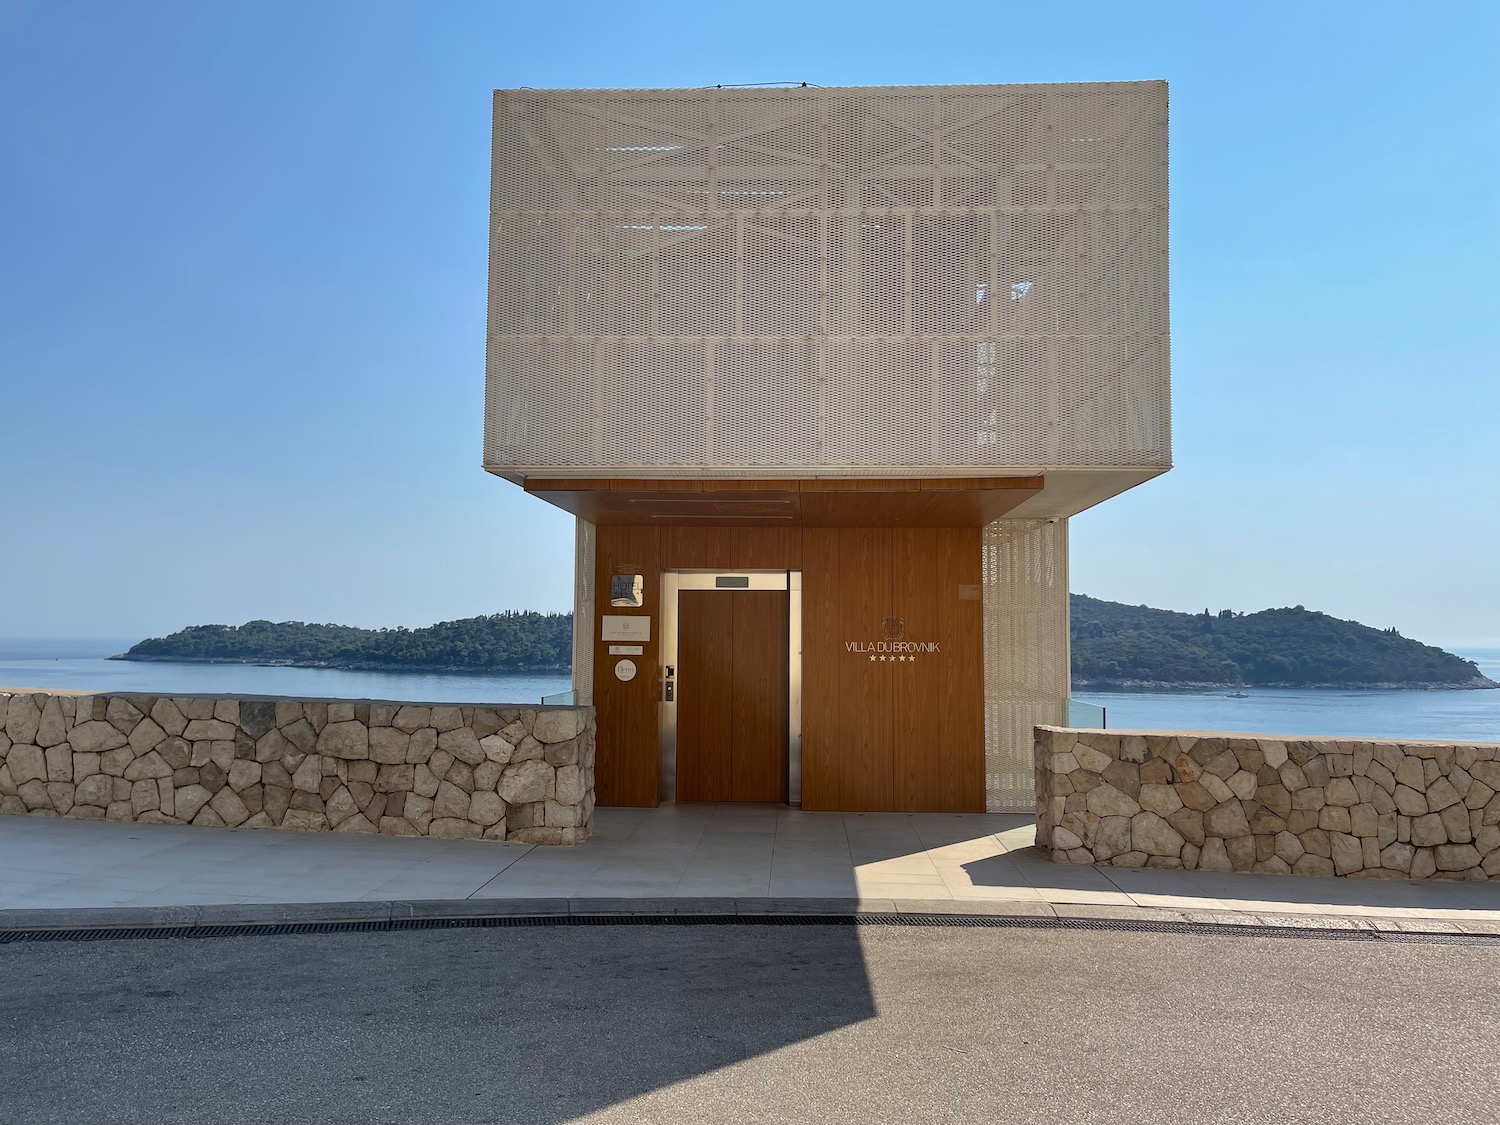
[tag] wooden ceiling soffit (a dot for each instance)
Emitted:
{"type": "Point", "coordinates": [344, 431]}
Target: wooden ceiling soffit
{"type": "Point", "coordinates": [820, 502]}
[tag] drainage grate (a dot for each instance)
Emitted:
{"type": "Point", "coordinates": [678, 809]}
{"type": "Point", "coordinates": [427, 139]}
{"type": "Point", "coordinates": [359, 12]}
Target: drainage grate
{"type": "Point", "coordinates": [931, 921]}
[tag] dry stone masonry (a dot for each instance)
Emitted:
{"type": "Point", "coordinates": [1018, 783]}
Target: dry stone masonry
{"type": "Point", "coordinates": [1365, 809]}
{"type": "Point", "coordinates": [400, 769]}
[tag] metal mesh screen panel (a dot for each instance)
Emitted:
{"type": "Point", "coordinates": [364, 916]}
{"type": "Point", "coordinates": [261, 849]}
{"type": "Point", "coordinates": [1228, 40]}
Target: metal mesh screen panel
{"type": "Point", "coordinates": [1026, 673]}
{"type": "Point", "coordinates": [583, 614]}
{"type": "Point", "coordinates": [932, 279]}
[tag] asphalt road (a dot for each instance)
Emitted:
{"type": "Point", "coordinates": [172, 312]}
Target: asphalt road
{"type": "Point", "coordinates": [737, 1024]}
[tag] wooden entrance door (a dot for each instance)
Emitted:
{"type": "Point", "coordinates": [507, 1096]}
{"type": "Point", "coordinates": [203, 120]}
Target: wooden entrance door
{"type": "Point", "coordinates": [732, 695]}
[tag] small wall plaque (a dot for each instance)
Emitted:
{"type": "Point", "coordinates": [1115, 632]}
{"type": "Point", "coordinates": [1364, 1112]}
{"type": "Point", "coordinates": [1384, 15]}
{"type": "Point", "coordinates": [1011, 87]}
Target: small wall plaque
{"type": "Point", "coordinates": [625, 670]}
{"type": "Point", "coordinates": [626, 650]}
{"type": "Point", "coordinates": [620, 627]}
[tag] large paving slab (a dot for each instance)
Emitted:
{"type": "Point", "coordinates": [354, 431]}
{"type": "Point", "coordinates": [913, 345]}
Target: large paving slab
{"type": "Point", "coordinates": [703, 858]}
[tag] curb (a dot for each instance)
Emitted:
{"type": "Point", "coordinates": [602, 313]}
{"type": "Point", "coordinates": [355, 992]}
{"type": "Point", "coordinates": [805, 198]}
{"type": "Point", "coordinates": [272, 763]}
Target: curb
{"type": "Point", "coordinates": [259, 914]}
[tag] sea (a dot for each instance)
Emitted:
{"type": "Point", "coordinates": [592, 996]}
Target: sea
{"type": "Point", "coordinates": [1471, 716]}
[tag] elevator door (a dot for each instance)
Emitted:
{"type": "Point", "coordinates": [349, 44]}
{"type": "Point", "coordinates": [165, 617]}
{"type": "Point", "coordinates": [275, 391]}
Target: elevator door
{"type": "Point", "coordinates": [732, 695]}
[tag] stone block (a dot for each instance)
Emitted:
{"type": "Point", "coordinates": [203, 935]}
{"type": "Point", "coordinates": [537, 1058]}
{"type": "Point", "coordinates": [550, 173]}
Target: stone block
{"type": "Point", "coordinates": [486, 722]}
{"type": "Point", "coordinates": [1455, 820]}
{"type": "Point", "coordinates": [396, 779]}
{"type": "Point", "coordinates": [144, 796]}
{"type": "Point", "coordinates": [496, 749]}
{"type": "Point", "coordinates": [462, 744]}
{"type": "Point", "coordinates": [557, 726]}
{"type": "Point", "coordinates": [345, 738]}
{"type": "Point", "coordinates": [26, 763]}
{"type": "Point", "coordinates": [94, 738]}
{"type": "Point", "coordinates": [1334, 819]}
{"type": "Point", "coordinates": [209, 730]}
{"type": "Point", "coordinates": [450, 802]}
{"type": "Point", "coordinates": [151, 764]}
{"type": "Point", "coordinates": [446, 719]}
{"type": "Point", "coordinates": [366, 771]}
{"type": "Point", "coordinates": [358, 823]}
{"type": "Point", "coordinates": [1151, 834]}
{"type": "Point", "coordinates": [1456, 857]}
{"type": "Point", "coordinates": [1409, 772]}
{"type": "Point", "coordinates": [304, 820]}
{"type": "Point", "coordinates": [452, 828]}
{"type": "Point", "coordinates": [535, 781]}
{"type": "Point", "coordinates": [309, 775]}
{"type": "Point", "coordinates": [1441, 794]}
{"type": "Point", "coordinates": [300, 734]}
{"type": "Point", "coordinates": [1103, 800]}
{"type": "Point", "coordinates": [1226, 820]}
{"type": "Point", "coordinates": [243, 774]}
{"type": "Point", "coordinates": [230, 809]}
{"type": "Point", "coordinates": [1214, 856]}
{"type": "Point", "coordinates": [439, 763]}
{"type": "Point", "coordinates": [340, 806]}
{"type": "Point", "coordinates": [1428, 830]}
{"type": "Point", "coordinates": [1243, 785]}
{"type": "Point", "coordinates": [1347, 854]}
{"type": "Point", "coordinates": [52, 727]}
{"type": "Point", "coordinates": [486, 808]}
{"type": "Point", "coordinates": [1241, 852]}
{"type": "Point", "coordinates": [388, 745]}
{"type": "Point", "coordinates": [411, 719]}
{"type": "Point", "coordinates": [23, 719]}
{"type": "Point", "coordinates": [1316, 841]}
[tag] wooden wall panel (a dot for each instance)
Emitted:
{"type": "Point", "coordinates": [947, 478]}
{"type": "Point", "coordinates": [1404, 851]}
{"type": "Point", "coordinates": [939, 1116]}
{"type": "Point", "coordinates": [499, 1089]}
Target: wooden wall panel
{"type": "Point", "coordinates": [904, 735]}
{"type": "Point", "coordinates": [916, 681]}
{"type": "Point", "coordinates": [821, 649]}
{"type": "Point", "coordinates": [908, 737]}
{"type": "Point", "coordinates": [750, 548]}
{"type": "Point", "coordinates": [625, 767]}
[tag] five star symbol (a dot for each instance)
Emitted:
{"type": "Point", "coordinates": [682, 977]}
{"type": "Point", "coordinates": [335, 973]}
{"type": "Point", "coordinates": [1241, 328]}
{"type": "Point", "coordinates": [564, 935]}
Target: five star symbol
{"type": "Point", "coordinates": [892, 659]}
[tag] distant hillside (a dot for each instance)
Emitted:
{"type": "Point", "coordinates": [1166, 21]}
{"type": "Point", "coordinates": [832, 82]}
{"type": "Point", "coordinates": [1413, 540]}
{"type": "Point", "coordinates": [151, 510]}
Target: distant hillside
{"type": "Point", "coordinates": [501, 642]}
{"type": "Point", "coordinates": [1115, 647]}
{"type": "Point", "coordinates": [1119, 647]}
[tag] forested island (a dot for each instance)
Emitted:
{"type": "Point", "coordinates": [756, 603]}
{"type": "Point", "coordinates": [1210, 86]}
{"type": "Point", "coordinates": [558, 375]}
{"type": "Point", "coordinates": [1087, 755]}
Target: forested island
{"type": "Point", "coordinates": [1115, 648]}
{"type": "Point", "coordinates": [501, 642]}
{"type": "Point", "coordinates": [1135, 648]}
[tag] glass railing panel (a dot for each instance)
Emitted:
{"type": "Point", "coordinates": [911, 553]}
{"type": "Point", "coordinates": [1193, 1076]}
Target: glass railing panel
{"type": "Point", "coordinates": [1086, 715]}
{"type": "Point", "coordinates": [561, 699]}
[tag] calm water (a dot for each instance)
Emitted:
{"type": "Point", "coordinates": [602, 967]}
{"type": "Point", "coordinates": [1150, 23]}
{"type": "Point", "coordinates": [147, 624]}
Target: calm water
{"type": "Point", "coordinates": [1458, 715]}
{"type": "Point", "coordinates": [1468, 715]}
{"type": "Point", "coordinates": [82, 666]}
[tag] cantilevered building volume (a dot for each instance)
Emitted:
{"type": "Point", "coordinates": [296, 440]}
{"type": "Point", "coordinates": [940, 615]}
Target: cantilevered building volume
{"type": "Point", "coordinates": [823, 373]}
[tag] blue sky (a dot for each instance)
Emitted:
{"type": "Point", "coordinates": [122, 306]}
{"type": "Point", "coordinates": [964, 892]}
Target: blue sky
{"type": "Point", "coordinates": [242, 285]}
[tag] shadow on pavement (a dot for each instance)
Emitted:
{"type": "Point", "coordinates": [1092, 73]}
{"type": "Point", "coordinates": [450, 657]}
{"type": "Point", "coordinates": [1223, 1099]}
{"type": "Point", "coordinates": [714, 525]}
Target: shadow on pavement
{"type": "Point", "coordinates": [526, 1024]}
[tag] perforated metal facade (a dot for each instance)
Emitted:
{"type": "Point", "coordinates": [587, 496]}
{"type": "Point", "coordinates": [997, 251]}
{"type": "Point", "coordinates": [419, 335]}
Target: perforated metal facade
{"type": "Point", "coordinates": [1026, 652]}
{"type": "Point", "coordinates": [951, 280]}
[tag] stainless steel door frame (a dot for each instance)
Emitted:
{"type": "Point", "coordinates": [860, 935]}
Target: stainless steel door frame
{"type": "Point", "coordinates": [673, 582]}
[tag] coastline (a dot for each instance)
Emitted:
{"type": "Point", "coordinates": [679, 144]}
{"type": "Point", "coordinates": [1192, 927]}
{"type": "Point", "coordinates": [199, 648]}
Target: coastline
{"type": "Point", "coordinates": [1126, 687]}
{"type": "Point", "coordinates": [1121, 687]}
{"type": "Point", "coordinates": [353, 665]}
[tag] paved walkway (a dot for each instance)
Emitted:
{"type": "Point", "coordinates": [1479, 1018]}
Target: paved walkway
{"type": "Point", "coordinates": [677, 857]}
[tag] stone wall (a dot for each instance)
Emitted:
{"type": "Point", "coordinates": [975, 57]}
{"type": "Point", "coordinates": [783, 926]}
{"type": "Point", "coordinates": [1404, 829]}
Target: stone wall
{"type": "Point", "coordinates": [1365, 809]}
{"type": "Point", "coordinates": [400, 769]}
